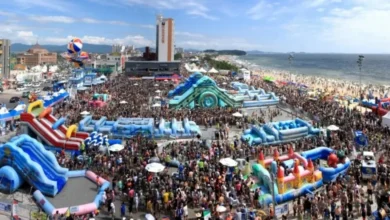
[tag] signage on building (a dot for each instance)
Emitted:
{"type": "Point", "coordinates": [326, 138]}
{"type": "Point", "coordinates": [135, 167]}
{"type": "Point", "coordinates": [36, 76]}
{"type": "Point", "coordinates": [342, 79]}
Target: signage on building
{"type": "Point", "coordinates": [163, 32]}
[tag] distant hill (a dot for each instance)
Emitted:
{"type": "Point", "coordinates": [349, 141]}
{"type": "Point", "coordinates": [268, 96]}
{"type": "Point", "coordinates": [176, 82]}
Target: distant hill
{"type": "Point", "coordinates": [227, 52]}
{"type": "Point", "coordinates": [90, 48]}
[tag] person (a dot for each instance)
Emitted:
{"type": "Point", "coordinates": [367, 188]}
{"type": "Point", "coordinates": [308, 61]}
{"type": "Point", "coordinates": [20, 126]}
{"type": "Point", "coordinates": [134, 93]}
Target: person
{"type": "Point", "coordinates": [123, 209]}
{"type": "Point", "coordinates": [112, 207]}
{"type": "Point", "coordinates": [179, 212]}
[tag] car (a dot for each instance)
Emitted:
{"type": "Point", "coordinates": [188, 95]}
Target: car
{"type": "Point", "coordinates": [14, 99]}
{"type": "Point", "coordinates": [46, 88]}
{"type": "Point", "coordinates": [368, 165]}
{"type": "Point", "coordinates": [26, 94]}
{"type": "Point", "coordinates": [20, 89]}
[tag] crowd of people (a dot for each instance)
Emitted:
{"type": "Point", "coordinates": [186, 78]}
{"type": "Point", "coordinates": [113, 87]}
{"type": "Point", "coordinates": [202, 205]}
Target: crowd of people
{"type": "Point", "coordinates": [199, 182]}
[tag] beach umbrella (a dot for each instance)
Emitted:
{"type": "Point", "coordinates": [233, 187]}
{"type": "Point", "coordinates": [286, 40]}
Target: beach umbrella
{"type": "Point", "coordinates": [158, 91]}
{"type": "Point", "coordinates": [229, 162]}
{"type": "Point", "coordinates": [149, 217]}
{"type": "Point", "coordinates": [156, 105]}
{"type": "Point", "coordinates": [156, 85]}
{"type": "Point", "coordinates": [157, 97]}
{"type": "Point", "coordinates": [116, 147]}
{"type": "Point", "coordinates": [224, 83]}
{"type": "Point", "coordinates": [165, 80]}
{"type": "Point", "coordinates": [221, 208]}
{"type": "Point", "coordinates": [333, 128]}
{"type": "Point", "coordinates": [155, 167]}
{"type": "Point", "coordinates": [237, 115]}
{"type": "Point", "coordinates": [123, 102]}
{"type": "Point", "coordinates": [84, 113]}
{"type": "Point", "coordinates": [136, 84]}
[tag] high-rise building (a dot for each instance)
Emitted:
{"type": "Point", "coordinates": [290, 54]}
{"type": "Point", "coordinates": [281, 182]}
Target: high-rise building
{"type": "Point", "coordinates": [5, 52]}
{"type": "Point", "coordinates": [165, 38]}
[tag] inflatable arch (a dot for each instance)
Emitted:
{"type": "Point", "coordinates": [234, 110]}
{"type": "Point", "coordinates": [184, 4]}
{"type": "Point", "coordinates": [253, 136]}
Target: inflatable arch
{"type": "Point", "coordinates": [45, 112]}
{"type": "Point", "coordinates": [35, 104]}
{"type": "Point", "coordinates": [72, 129]}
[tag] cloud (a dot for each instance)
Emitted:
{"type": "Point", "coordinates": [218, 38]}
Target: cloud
{"type": "Point", "coordinates": [188, 34]}
{"type": "Point", "coordinates": [52, 19]}
{"type": "Point", "coordinates": [362, 27]}
{"type": "Point", "coordinates": [219, 43]}
{"type": "Point", "coordinates": [267, 10]}
{"type": "Point", "coordinates": [71, 20]}
{"type": "Point", "coordinates": [319, 3]}
{"type": "Point", "coordinates": [56, 5]}
{"type": "Point", "coordinates": [191, 7]}
{"type": "Point", "coordinates": [136, 40]}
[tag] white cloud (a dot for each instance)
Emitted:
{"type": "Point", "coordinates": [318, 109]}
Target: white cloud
{"type": "Point", "coordinates": [191, 7]}
{"type": "Point", "coordinates": [362, 27]}
{"type": "Point", "coordinates": [54, 19]}
{"type": "Point", "coordinates": [136, 40]}
{"type": "Point", "coordinates": [319, 3]}
{"type": "Point", "coordinates": [219, 43]}
{"type": "Point", "coordinates": [188, 34]}
{"type": "Point", "coordinates": [260, 10]}
{"type": "Point", "coordinates": [56, 5]}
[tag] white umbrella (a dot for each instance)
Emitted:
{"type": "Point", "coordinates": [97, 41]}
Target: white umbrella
{"type": "Point", "coordinates": [156, 105]}
{"type": "Point", "coordinates": [157, 97]}
{"type": "Point", "coordinates": [149, 217]}
{"type": "Point", "coordinates": [123, 102]}
{"type": "Point", "coordinates": [158, 91]}
{"type": "Point", "coordinates": [155, 167]}
{"type": "Point", "coordinates": [116, 147]}
{"type": "Point", "coordinates": [237, 114]}
{"type": "Point", "coordinates": [221, 208]}
{"type": "Point", "coordinates": [229, 162]}
{"type": "Point", "coordinates": [136, 84]}
{"type": "Point", "coordinates": [333, 128]}
{"type": "Point", "coordinates": [165, 80]}
{"type": "Point", "coordinates": [156, 85]}
{"type": "Point", "coordinates": [224, 83]}
{"type": "Point", "coordinates": [84, 113]}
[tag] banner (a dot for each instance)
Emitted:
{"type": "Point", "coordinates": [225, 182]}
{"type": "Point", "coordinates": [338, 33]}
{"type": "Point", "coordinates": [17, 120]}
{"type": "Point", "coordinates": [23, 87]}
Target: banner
{"type": "Point", "coordinates": [14, 210]}
{"type": "Point", "coordinates": [5, 208]}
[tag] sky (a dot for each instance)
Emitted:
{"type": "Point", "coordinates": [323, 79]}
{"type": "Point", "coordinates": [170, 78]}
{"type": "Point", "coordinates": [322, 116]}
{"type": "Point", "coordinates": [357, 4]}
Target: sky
{"type": "Point", "coordinates": [326, 26]}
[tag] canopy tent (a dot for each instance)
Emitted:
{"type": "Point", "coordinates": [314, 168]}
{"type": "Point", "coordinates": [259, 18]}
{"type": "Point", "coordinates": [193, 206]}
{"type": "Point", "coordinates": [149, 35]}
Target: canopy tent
{"type": "Point", "coordinates": [213, 70]}
{"type": "Point", "coordinates": [268, 79]}
{"type": "Point", "coordinates": [202, 70]}
{"type": "Point", "coordinates": [386, 120]}
{"type": "Point", "coordinates": [194, 70]}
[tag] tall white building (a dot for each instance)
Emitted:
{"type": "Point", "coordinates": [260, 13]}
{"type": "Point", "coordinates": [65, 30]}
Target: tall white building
{"type": "Point", "coordinates": [165, 38]}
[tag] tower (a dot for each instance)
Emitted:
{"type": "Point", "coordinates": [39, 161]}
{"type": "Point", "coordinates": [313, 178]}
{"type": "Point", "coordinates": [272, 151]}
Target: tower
{"type": "Point", "coordinates": [297, 175]}
{"type": "Point", "coordinates": [165, 39]}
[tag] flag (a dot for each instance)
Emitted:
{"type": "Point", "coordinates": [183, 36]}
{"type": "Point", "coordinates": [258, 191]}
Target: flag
{"type": "Point", "coordinates": [361, 138]}
{"type": "Point", "coordinates": [206, 214]}
{"type": "Point", "coordinates": [67, 214]}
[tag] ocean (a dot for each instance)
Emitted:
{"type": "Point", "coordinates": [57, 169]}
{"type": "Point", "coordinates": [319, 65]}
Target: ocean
{"type": "Point", "coordinates": [375, 68]}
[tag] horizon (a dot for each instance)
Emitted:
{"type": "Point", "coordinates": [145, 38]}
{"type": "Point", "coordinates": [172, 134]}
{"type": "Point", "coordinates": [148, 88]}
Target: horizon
{"type": "Point", "coordinates": [309, 26]}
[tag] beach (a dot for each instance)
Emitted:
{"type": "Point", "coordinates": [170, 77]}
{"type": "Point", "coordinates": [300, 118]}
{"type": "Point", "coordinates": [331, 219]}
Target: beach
{"type": "Point", "coordinates": [335, 87]}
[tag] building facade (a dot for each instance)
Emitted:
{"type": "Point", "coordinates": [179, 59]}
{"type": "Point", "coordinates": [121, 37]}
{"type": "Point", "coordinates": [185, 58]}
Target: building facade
{"type": "Point", "coordinates": [151, 68]}
{"type": "Point", "coordinates": [5, 53]}
{"type": "Point", "coordinates": [165, 38]}
{"type": "Point", "coordinates": [37, 55]}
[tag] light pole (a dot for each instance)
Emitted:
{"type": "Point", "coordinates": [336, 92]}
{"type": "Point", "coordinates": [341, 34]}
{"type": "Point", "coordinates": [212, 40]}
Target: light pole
{"type": "Point", "coordinates": [290, 60]}
{"type": "Point", "coordinates": [360, 64]}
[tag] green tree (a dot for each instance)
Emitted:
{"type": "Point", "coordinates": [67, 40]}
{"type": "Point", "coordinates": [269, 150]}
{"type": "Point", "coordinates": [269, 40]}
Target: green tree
{"type": "Point", "coordinates": [178, 56]}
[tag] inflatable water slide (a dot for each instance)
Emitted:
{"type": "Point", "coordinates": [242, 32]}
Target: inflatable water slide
{"type": "Point", "coordinates": [202, 91]}
{"type": "Point", "coordinates": [24, 159]}
{"type": "Point", "coordinates": [128, 127]}
{"type": "Point", "coordinates": [48, 129]}
{"type": "Point", "coordinates": [279, 132]}
{"type": "Point", "coordinates": [295, 174]}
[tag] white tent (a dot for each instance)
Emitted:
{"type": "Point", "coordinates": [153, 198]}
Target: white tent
{"type": "Point", "coordinates": [202, 70]}
{"type": "Point", "coordinates": [194, 70]}
{"type": "Point", "coordinates": [212, 70]}
{"type": "Point", "coordinates": [386, 120]}
{"type": "Point", "coordinates": [193, 65]}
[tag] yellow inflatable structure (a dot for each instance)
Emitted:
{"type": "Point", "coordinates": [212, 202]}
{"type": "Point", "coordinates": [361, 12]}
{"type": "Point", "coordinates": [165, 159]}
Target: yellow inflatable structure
{"type": "Point", "coordinates": [72, 129]}
{"type": "Point", "coordinates": [35, 104]}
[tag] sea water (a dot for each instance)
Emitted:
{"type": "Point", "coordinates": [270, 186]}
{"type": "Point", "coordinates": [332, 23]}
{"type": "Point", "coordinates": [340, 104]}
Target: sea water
{"type": "Point", "coordinates": [375, 68]}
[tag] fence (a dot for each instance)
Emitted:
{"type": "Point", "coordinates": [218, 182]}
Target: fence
{"type": "Point", "coordinates": [23, 211]}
